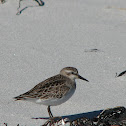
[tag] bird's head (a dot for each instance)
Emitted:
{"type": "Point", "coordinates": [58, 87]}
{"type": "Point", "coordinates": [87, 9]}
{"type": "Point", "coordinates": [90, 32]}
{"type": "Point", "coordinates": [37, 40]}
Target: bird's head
{"type": "Point", "coordinates": [71, 73]}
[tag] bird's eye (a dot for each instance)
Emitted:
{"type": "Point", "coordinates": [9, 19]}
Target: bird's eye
{"type": "Point", "coordinates": [72, 72]}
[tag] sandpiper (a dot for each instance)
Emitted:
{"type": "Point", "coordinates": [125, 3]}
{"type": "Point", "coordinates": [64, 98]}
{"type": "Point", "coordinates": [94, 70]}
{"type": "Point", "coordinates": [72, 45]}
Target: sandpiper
{"type": "Point", "coordinates": [54, 90]}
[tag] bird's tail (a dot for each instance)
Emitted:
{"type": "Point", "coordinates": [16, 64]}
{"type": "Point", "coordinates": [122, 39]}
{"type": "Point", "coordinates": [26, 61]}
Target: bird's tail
{"type": "Point", "coordinates": [20, 97]}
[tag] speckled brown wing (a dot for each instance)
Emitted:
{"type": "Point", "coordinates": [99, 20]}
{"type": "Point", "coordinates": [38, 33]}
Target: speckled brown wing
{"type": "Point", "coordinates": [54, 87]}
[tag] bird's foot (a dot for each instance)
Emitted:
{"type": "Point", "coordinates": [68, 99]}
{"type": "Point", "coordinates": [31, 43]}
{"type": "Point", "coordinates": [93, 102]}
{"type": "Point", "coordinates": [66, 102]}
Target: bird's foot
{"type": "Point", "coordinates": [53, 121]}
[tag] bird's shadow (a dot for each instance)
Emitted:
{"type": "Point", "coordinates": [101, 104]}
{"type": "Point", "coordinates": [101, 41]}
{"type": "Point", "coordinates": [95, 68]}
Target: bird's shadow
{"type": "Point", "coordinates": [89, 115]}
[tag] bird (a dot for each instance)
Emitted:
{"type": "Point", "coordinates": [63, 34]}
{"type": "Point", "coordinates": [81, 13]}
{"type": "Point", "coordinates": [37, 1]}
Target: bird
{"type": "Point", "coordinates": [54, 90]}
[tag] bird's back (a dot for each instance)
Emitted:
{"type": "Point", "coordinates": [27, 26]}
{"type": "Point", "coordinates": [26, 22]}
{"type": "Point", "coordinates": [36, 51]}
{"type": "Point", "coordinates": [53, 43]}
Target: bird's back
{"type": "Point", "coordinates": [53, 87]}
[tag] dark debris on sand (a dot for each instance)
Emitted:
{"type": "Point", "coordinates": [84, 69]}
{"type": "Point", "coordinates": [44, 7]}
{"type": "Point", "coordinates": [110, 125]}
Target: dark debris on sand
{"type": "Point", "coordinates": [108, 117]}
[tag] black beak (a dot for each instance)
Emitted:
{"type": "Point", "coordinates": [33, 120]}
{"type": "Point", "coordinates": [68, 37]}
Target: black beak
{"type": "Point", "coordinates": [82, 78]}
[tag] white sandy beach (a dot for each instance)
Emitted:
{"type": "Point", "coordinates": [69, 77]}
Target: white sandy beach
{"type": "Point", "coordinates": [41, 41]}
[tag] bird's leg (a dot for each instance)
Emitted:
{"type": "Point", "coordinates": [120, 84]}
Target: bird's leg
{"type": "Point", "coordinates": [50, 113]}
{"type": "Point", "coordinates": [52, 119]}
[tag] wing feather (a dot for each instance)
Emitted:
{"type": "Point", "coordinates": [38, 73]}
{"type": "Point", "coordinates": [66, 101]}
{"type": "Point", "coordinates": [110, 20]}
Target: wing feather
{"type": "Point", "coordinates": [54, 87]}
